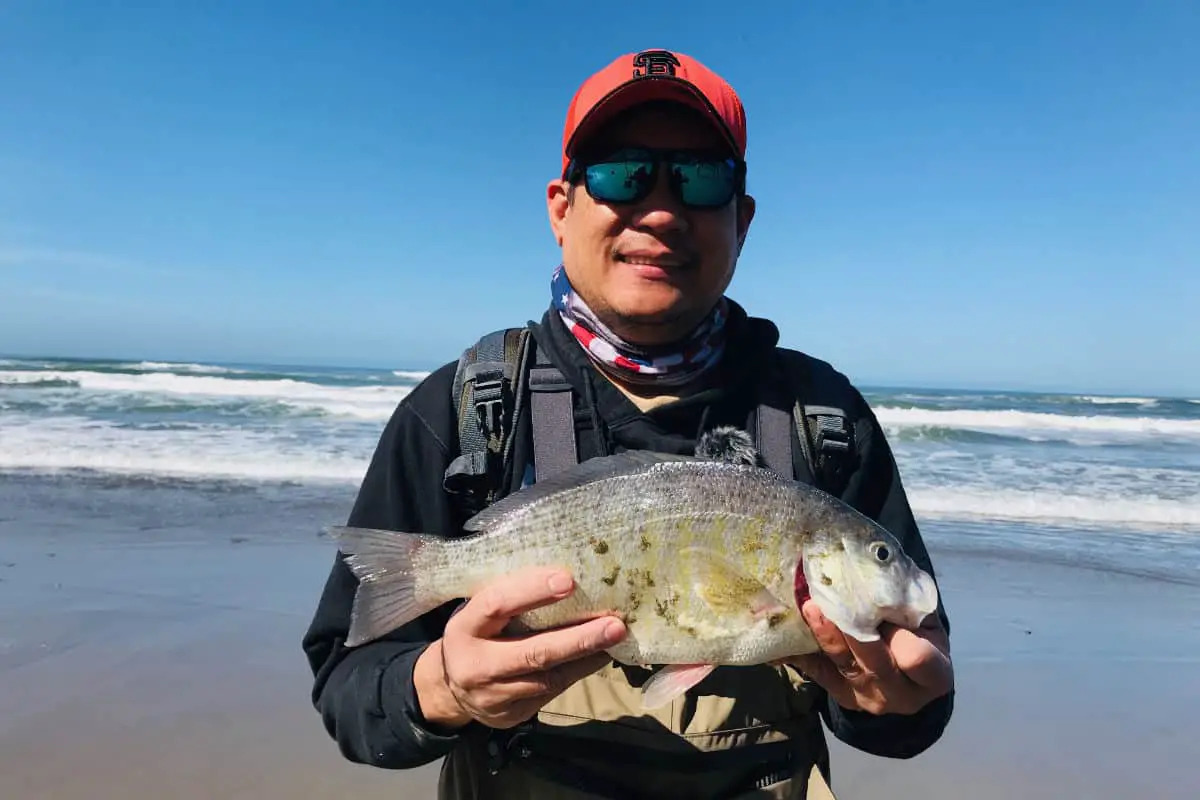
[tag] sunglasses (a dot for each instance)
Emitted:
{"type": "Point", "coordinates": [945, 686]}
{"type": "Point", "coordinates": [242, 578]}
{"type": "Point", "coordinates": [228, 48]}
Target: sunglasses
{"type": "Point", "coordinates": [698, 180]}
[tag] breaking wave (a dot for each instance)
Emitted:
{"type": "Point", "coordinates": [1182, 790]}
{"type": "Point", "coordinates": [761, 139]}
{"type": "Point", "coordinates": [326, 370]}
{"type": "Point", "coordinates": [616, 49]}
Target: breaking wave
{"type": "Point", "coordinates": [1055, 507]}
{"type": "Point", "coordinates": [1041, 426]}
{"type": "Point", "coordinates": [129, 392]}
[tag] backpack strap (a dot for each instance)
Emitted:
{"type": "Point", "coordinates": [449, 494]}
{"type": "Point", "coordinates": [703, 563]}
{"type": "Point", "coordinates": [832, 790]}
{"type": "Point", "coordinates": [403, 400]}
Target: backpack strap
{"type": "Point", "coordinates": [496, 378]}
{"type": "Point", "coordinates": [773, 437]}
{"type": "Point", "coordinates": [824, 425]}
{"type": "Point", "coordinates": [488, 397]}
{"type": "Point", "coordinates": [552, 404]}
{"type": "Point", "coordinates": [831, 438]}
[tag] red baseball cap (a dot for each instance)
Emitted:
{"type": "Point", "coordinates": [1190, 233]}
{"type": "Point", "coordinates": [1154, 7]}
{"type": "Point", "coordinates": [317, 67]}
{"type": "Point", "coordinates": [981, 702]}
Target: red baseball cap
{"type": "Point", "coordinates": [654, 75]}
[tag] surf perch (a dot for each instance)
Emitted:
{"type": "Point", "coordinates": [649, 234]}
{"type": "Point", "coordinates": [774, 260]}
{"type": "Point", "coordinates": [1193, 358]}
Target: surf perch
{"type": "Point", "coordinates": [707, 560]}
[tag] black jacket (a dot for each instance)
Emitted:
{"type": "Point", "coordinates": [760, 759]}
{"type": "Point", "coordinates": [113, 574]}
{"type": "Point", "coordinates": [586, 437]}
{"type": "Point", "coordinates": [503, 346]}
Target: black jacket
{"type": "Point", "coordinates": [365, 695]}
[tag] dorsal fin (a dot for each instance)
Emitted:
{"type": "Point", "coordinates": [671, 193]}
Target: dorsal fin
{"type": "Point", "coordinates": [629, 462]}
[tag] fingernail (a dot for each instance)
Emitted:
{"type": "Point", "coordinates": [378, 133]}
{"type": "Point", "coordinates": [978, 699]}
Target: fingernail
{"type": "Point", "coordinates": [559, 583]}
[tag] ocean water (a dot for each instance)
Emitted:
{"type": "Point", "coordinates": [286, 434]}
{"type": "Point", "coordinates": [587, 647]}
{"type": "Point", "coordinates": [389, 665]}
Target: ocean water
{"type": "Point", "coordinates": [1109, 481]}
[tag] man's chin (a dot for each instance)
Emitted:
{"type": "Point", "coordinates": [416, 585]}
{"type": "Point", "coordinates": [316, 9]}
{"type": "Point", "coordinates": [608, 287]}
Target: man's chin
{"type": "Point", "coordinates": [651, 324]}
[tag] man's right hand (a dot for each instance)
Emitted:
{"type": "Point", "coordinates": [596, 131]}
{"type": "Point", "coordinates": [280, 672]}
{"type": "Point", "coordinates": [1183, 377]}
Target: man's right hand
{"type": "Point", "coordinates": [472, 673]}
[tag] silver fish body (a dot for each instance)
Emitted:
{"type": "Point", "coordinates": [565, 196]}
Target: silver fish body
{"type": "Point", "coordinates": [707, 561]}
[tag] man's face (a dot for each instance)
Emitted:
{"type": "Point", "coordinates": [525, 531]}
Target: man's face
{"type": "Point", "coordinates": [651, 270]}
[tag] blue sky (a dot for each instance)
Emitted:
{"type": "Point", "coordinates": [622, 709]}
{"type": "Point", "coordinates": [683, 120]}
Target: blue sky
{"type": "Point", "coordinates": [963, 194]}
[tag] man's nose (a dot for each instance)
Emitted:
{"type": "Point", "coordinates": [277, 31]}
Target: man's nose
{"type": "Point", "coordinates": [661, 209]}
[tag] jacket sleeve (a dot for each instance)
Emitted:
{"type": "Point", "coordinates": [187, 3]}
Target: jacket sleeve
{"type": "Point", "coordinates": [365, 694]}
{"type": "Point", "coordinates": [875, 489]}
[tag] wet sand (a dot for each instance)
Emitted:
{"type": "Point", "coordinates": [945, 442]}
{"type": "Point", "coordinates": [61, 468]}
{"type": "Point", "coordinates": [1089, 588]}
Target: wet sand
{"type": "Point", "coordinates": [149, 647]}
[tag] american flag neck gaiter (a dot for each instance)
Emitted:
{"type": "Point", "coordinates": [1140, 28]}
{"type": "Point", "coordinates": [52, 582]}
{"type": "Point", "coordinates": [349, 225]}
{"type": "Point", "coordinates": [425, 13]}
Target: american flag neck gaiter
{"type": "Point", "coordinates": [668, 365]}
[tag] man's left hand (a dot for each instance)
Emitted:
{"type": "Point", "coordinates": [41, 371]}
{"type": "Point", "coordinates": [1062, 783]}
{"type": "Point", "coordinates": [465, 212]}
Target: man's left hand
{"type": "Point", "coordinates": [898, 674]}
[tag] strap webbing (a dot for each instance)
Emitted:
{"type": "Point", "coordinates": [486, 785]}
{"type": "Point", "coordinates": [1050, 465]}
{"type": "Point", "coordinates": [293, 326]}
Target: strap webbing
{"type": "Point", "coordinates": [550, 401]}
{"type": "Point", "coordinates": [774, 438]}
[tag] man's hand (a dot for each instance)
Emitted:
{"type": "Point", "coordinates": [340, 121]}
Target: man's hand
{"type": "Point", "coordinates": [473, 672]}
{"type": "Point", "coordinates": [898, 674]}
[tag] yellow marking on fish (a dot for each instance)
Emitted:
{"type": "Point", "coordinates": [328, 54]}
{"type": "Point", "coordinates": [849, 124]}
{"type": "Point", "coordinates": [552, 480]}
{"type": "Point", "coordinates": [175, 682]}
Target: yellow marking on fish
{"type": "Point", "coordinates": [599, 545]}
{"type": "Point", "coordinates": [730, 596]}
{"type": "Point", "coordinates": [666, 609]}
{"type": "Point", "coordinates": [644, 544]}
{"type": "Point", "coordinates": [828, 581]}
{"type": "Point", "coordinates": [611, 578]}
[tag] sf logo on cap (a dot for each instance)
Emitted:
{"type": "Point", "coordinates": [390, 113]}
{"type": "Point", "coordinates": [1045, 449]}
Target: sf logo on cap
{"type": "Point", "coordinates": [654, 62]}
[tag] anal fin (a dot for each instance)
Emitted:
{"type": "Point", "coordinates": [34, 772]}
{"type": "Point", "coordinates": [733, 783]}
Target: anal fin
{"type": "Point", "coordinates": [672, 681]}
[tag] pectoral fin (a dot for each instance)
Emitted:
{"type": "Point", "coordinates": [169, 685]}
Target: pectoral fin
{"type": "Point", "coordinates": [724, 587]}
{"type": "Point", "coordinates": [671, 681]}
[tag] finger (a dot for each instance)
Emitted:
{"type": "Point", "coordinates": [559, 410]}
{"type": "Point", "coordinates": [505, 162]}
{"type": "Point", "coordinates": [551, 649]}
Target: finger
{"type": "Point", "coordinates": [874, 657]}
{"type": "Point", "coordinates": [547, 685]}
{"type": "Point", "coordinates": [817, 668]}
{"type": "Point", "coordinates": [538, 652]}
{"type": "Point", "coordinates": [831, 640]}
{"type": "Point", "coordinates": [921, 659]}
{"type": "Point", "coordinates": [486, 614]}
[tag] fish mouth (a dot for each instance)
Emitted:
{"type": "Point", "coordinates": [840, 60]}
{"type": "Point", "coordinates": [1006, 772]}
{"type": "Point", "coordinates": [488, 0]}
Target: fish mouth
{"type": "Point", "coordinates": [920, 602]}
{"type": "Point", "coordinates": [923, 599]}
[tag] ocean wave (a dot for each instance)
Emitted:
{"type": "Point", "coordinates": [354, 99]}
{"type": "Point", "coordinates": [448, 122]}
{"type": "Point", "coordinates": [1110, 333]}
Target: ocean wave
{"type": "Point", "coordinates": [414, 375]}
{"type": "Point", "coordinates": [37, 380]}
{"type": "Point", "coordinates": [183, 451]}
{"type": "Point", "coordinates": [360, 402]}
{"type": "Point", "coordinates": [1101, 400]}
{"type": "Point", "coordinates": [1038, 425]}
{"type": "Point", "coordinates": [172, 366]}
{"type": "Point", "coordinates": [955, 502]}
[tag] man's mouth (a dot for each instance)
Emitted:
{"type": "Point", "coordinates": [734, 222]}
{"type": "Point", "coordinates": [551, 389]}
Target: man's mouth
{"type": "Point", "coordinates": [666, 261]}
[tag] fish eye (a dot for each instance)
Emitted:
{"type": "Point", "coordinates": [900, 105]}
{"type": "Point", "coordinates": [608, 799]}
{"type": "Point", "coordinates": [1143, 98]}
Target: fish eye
{"type": "Point", "coordinates": [883, 553]}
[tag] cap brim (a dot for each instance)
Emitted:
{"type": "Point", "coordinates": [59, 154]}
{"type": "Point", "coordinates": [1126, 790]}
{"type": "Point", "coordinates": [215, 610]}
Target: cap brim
{"type": "Point", "coordinates": [644, 90]}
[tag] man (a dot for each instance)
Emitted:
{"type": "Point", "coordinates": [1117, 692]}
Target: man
{"type": "Point", "coordinates": [650, 212]}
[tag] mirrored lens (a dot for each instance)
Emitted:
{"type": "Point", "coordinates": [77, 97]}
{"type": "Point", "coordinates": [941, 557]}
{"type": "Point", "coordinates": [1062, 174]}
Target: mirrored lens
{"type": "Point", "coordinates": [706, 184]}
{"type": "Point", "coordinates": [620, 181]}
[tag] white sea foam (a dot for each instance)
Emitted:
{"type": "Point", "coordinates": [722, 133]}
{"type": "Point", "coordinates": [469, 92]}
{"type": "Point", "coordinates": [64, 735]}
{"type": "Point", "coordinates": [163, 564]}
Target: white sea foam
{"type": "Point", "coordinates": [14, 378]}
{"type": "Point", "coordinates": [361, 402]}
{"type": "Point", "coordinates": [1039, 424]}
{"type": "Point", "coordinates": [1044, 505]}
{"type": "Point", "coordinates": [1101, 400]}
{"type": "Point", "coordinates": [410, 374]}
{"type": "Point", "coordinates": [193, 452]}
{"type": "Point", "coordinates": [171, 366]}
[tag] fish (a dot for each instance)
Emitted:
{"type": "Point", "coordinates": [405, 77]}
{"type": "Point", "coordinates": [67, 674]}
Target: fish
{"type": "Point", "coordinates": [708, 558]}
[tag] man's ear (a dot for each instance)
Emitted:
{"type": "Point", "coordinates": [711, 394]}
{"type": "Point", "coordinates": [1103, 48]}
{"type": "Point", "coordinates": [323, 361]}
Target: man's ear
{"type": "Point", "coordinates": [745, 215]}
{"type": "Point", "coordinates": [558, 205]}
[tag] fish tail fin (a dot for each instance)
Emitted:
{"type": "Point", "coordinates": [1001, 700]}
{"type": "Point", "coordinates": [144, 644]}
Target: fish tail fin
{"type": "Point", "coordinates": [387, 568]}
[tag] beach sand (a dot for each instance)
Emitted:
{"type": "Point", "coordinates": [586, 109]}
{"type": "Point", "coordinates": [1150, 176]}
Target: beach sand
{"type": "Point", "coordinates": [150, 647]}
